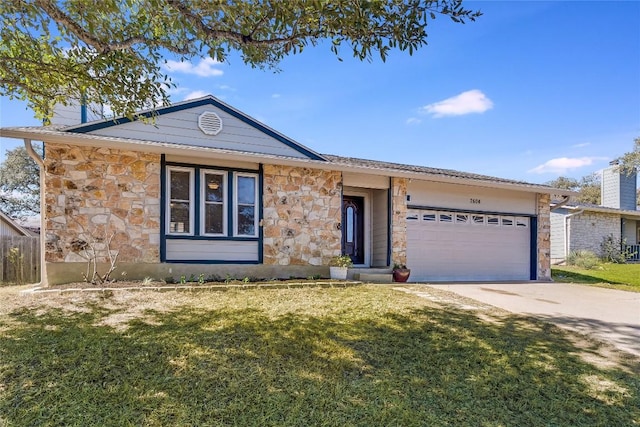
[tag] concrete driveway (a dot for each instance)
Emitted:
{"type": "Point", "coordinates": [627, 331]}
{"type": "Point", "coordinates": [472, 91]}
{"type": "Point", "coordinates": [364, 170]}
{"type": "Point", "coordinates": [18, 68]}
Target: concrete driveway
{"type": "Point", "coordinates": [606, 314]}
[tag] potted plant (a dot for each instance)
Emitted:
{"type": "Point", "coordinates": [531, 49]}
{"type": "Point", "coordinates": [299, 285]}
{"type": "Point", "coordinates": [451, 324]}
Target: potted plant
{"type": "Point", "coordinates": [400, 273]}
{"type": "Point", "coordinates": [339, 266]}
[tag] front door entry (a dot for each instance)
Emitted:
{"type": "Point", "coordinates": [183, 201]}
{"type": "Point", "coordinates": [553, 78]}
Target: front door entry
{"type": "Point", "coordinates": [353, 228]}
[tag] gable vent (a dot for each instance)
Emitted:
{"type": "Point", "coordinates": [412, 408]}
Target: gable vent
{"type": "Point", "coordinates": [210, 123]}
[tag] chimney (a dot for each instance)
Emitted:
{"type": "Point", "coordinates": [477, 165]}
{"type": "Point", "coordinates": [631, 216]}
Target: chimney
{"type": "Point", "coordinates": [76, 113]}
{"type": "Point", "coordinates": [618, 190]}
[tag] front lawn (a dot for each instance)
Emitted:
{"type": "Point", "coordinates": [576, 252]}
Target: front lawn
{"type": "Point", "coordinates": [619, 276]}
{"type": "Point", "coordinates": [359, 356]}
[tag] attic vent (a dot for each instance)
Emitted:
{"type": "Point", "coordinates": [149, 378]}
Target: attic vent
{"type": "Point", "coordinates": [210, 123]}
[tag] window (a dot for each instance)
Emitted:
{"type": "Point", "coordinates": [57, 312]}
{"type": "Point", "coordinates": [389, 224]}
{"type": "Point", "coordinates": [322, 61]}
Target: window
{"type": "Point", "coordinates": [477, 219]}
{"type": "Point", "coordinates": [507, 221]}
{"type": "Point", "coordinates": [217, 215]}
{"type": "Point", "coordinates": [246, 197]}
{"type": "Point", "coordinates": [462, 218]}
{"type": "Point", "coordinates": [429, 216]}
{"type": "Point", "coordinates": [180, 201]}
{"type": "Point", "coordinates": [412, 217]}
{"type": "Point", "coordinates": [445, 217]}
{"type": "Point", "coordinates": [493, 220]}
{"type": "Point", "coordinates": [214, 196]}
{"type": "Point", "coordinates": [522, 221]}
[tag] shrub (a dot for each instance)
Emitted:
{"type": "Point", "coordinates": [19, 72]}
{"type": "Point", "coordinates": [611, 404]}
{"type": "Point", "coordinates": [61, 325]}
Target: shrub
{"type": "Point", "coordinates": [612, 249]}
{"type": "Point", "coordinates": [341, 261]}
{"type": "Point", "coordinates": [583, 259]}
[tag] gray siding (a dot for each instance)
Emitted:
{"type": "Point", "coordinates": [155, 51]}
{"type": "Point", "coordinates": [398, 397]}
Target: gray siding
{"type": "Point", "coordinates": [380, 228]}
{"type": "Point", "coordinates": [558, 236]}
{"type": "Point", "coordinates": [181, 127]}
{"type": "Point", "coordinates": [212, 250]}
{"type": "Point", "coordinates": [618, 189]}
{"type": "Point", "coordinates": [8, 230]}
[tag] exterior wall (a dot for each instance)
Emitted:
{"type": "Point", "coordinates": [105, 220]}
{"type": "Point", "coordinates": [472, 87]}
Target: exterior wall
{"type": "Point", "coordinates": [544, 237]}
{"type": "Point", "coordinates": [7, 229]}
{"type": "Point", "coordinates": [181, 127]}
{"type": "Point", "coordinates": [618, 189]}
{"type": "Point", "coordinates": [587, 230]}
{"type": "Point", "coordinates": [468, 197]}
{"type": "Point", "coordinates": [92, 194]}
{"type": "Point", "coordinates": [380, 227]}
{"type": "Point", "coordinates": [350, 179]}
{"type": "Point", "coordinates": [399, 221]}
{"type": "Point", "coordinates": [557, 236]}
{"type": "Point", "coordinates": [301, 213]}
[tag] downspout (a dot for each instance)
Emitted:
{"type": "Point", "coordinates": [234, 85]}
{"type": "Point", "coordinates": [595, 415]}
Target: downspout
{"type": "Point", "coordinates": [43, 265]}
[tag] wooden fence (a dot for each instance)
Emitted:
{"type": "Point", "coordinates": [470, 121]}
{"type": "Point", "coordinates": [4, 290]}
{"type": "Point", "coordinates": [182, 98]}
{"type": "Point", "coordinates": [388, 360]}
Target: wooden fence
{"type": "Point", "coordinates": [20, 257]}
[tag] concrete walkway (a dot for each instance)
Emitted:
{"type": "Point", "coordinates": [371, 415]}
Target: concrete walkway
{"type": "Point", "coordinates": [606, 314]}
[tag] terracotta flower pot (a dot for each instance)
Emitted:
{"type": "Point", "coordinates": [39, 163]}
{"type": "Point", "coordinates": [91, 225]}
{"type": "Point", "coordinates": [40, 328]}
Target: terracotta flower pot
{"type": "Point", "coordinates": [401, 275]}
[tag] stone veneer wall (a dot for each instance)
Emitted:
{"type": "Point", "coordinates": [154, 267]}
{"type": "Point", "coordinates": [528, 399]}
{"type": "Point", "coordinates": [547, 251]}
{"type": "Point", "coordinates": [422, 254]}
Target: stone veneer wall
{"type": "Point", "coordinates": [301, 211]}
{"type": "Point", "coordinates": [399, 221]}
{"type": "Point", "coordinates": [91, 193]}
{"type": "Point", "coordinates": [544, 237]}
{"type": "Point", "coordinates": [588, 229]}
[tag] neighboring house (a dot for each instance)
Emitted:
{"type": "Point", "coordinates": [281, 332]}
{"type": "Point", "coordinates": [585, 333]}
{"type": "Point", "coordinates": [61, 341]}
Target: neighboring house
{"type": "Point", "coordinates": [577, 226]}
{"type": "Point", "coordinates": [207, 189]}
{"type": "Point", "coordinates": [8, 227]}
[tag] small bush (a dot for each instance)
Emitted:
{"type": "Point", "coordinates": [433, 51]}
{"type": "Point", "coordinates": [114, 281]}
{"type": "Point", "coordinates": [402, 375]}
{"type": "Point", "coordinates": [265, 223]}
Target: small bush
{"type": "Point", "coordinates": [583, 259]}
{"type": "Point", "coordinates": [612, 249]}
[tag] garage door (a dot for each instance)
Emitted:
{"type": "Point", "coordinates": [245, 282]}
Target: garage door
{"type": "Point", "coordinates": [467, 246]}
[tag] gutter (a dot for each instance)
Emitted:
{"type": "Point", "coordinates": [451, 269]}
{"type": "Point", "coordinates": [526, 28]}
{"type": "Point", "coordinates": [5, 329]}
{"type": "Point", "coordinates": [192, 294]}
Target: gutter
{"type": "Point", "coordinates": [43, 265]}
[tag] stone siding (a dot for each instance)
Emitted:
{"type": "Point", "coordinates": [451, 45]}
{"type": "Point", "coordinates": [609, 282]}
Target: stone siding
{"type": "Point", "coordinates": [93, 194]}
{"type": "Point", "coordinates": [588, 229]}
{"type": "Point", "coordinates": [544, 237]}
{"type": "Point", "coordinates": [399, 221]}
{"type": "Point", "coordinates": [302, 209]}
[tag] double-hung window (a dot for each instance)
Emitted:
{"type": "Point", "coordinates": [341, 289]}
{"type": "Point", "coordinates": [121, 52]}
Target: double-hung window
{"type": "Point", "coordinates": [245, 215]}
{"type": "Point", "coordinates": [181, 201]}
{"type": "Point", "coordinates": [214, 203]}
{"type": "Point", "coordinates": [211, 203]}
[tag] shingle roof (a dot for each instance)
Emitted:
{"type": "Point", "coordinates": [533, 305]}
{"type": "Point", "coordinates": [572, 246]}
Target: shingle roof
{"type": "Point", "coordinates": [597, 208]}
{"type": "Point", "coordinates": [449, 173]}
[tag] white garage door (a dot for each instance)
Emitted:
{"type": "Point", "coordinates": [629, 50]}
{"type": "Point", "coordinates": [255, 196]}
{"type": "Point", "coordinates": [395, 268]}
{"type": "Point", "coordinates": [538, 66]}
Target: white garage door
{"type": "Point", "coordinates": [467, 246]}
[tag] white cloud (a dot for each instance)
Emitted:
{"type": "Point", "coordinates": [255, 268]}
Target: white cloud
{"type": "Point", "coordinates": [584, 144]}
{"type": "Point", "coordinates": [204, 68]}
{"type": "Point", "coordinates": [562, 165]}
{"type": "Point", "coordinates": [275, 95]}
{"type": "Point", "coordinates": [195, 94]}
{"type": "Point", "coordinates": [471, 101]}
{"type": "Point", "coordinates": [413, 121]}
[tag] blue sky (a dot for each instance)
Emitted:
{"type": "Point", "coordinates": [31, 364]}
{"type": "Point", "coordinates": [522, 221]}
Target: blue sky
{"type": "Point", "coordinates": [531, 91]}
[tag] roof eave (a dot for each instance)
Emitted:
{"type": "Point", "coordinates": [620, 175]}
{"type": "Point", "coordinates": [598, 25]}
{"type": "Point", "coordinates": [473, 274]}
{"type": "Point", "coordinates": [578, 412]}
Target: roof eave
{"type": "Point", "coordinates": [61, 137]}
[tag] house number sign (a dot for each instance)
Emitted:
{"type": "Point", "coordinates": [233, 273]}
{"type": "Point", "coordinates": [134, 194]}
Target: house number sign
{"type": "Point", "coordinates": [474, 201]}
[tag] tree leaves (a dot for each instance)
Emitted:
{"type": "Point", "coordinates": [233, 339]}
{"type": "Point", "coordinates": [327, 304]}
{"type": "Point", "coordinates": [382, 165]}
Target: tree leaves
{"type": "Point", "coordinates": [20, 184]}
{"type": "Point", "coordinates": [109, 52]}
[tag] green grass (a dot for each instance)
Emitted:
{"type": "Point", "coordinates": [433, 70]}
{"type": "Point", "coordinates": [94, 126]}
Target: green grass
{"type": "Point", "coordinates": [361, 356]}
{"type": "Point", "coordinates": [619, 276]}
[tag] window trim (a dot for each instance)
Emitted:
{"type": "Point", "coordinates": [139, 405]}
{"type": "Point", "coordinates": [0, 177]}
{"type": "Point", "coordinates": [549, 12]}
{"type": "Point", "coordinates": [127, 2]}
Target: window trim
{"type": "Point", "coordinates": [192, 201]}
{"type": "Point", "coordinates": [255, 176]}
{"type": "Point", "coordinates": [203, 202]}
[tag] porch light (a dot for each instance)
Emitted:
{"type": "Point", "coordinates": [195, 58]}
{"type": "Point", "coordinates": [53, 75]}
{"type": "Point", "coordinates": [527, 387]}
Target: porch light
{"type": "Point", "coordinates": [213, 185]}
